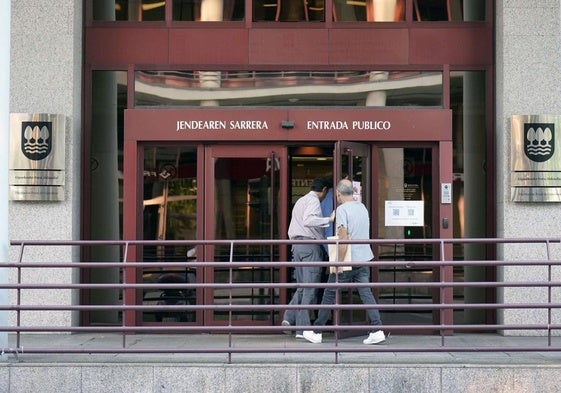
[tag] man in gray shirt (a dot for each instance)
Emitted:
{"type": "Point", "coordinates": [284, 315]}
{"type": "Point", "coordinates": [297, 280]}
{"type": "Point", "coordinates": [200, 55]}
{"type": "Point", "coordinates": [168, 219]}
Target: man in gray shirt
{"type": "Point", "coordinates": [353, 222]}
{"type": "Point", "coordinates": [307, 223]}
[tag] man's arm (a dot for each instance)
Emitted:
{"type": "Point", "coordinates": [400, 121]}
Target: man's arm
{"type": "Point", "coordinates": [343, 234]}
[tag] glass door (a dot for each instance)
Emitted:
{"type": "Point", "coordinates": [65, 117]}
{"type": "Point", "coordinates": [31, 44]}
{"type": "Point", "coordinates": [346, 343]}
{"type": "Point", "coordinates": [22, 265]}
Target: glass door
{"type": "Point", "coordinates": [407, 206]}
{"type": "Point", "coordinates": [244, 201]}
{"type": "Point", "coordinates": [354, 164]}
{"type": "Point", "coordinates": [398, 185]}
{"type": "Point", "coordinates": [169, 212]}
{"type": "Point", "coordinates": [245, 192]}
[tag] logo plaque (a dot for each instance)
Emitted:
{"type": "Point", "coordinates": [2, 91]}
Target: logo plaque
{"type": "Point", "coordinates": [37, 155]}
{"type": "Point", "coordinates": [535, 169]}
{"type": "Point", "coordinates": [539, 141]}
{"type": "Point", "coordinates": [36, 139]}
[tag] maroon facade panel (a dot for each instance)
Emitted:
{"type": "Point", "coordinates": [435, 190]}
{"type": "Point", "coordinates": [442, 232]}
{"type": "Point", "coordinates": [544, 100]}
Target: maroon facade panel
{"type": "Point", "coordinates": [107, 46]}
{"type": "Point", "coordinates": [254, 47]}
{"type": "Point", "coordinates": [208, 46]}
{"type": "Point", "coordinates": [451, 46]}
{"type": "Point", "coordinates": [369, 46]}
{"type": "Point", "coordinates": [288, 46]}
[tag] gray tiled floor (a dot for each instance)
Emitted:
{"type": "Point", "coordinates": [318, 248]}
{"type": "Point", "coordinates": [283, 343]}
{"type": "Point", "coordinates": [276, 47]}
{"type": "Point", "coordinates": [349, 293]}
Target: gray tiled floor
{"type": "Point", "coordinates": [279, 348]}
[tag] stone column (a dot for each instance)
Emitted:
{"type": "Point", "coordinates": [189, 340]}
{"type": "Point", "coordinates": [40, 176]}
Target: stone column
{"type": "Point", "coordinates": [378, 97]}
{"type": "Point", "coordinates": [473, 10]}
{"type": "Point", "coordinates": [474, 183]}
{"type": "Point", "coordinates": [104, 221]}
{"type": "Point", "coordinates": [212, 10]}
{"type": "Point", "coordinates": [209, 80]}
{"type": "Point", "coordinates": [384, 10]}
{"type": "Point", "coordinates": [4, 154]}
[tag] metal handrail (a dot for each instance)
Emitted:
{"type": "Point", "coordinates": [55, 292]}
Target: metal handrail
{"type": "Point", "coordinates": [19, 284]}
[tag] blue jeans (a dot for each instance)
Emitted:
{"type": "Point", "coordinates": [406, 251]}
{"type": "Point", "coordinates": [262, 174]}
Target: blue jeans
{"type": "Point", "coordinates": [359, 275]}
{"type": "Point", "coordinates": [305, 274]}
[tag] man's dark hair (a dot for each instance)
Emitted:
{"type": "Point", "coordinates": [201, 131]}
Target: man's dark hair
{"type": "Point", "coordinates": [319, 184]}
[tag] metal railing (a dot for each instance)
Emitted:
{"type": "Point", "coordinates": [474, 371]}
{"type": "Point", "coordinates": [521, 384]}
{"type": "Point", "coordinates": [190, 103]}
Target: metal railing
{"type": "Point", "coordinates": [33, 279]}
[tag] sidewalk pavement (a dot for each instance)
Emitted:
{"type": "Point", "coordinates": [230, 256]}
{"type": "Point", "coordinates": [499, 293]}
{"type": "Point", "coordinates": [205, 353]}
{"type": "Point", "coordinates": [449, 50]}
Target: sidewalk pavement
{"type": "Point", "coordinates": [458, 349]}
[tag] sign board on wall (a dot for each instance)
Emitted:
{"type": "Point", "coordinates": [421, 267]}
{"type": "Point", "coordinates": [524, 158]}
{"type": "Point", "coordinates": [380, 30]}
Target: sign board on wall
{"type": "Point", "coordinates": [535, 158]}
{"type": "Point", "coordinates": [37, 155]}
{"type": "Point", "coordinates": [288, 124]}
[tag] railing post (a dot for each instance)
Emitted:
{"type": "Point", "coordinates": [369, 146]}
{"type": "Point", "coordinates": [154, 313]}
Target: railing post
{"type": "Point", "coordinates": [549, 293]}
{"type": "Point", "coordinates": [5, 15]}
{"type": "Point", "coordinates": [130, 275]}
{"type": "Point", "coordinates": [446, 292]}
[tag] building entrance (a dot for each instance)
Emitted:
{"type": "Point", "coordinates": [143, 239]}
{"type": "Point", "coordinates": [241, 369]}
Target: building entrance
{"type": "Point", "coordinates": [244, 190]}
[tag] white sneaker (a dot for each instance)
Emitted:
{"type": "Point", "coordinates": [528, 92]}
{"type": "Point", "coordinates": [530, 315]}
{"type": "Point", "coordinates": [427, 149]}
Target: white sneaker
{"type": "Point", "coordinates": [298, 335]}
{"type": "Point", "coordinates": [311, 336]}
{"type": "Point", "coordinates": [375, 338]}
{"type": "Point", "coordinates": [286, 323]}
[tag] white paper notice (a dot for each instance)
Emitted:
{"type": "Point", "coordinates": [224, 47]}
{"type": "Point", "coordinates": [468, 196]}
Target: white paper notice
{"type": "Point", "coordinates": [405, 214]}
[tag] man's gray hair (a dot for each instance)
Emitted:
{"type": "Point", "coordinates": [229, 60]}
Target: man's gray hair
{"type": "Point", "coordinates": [345, 187]}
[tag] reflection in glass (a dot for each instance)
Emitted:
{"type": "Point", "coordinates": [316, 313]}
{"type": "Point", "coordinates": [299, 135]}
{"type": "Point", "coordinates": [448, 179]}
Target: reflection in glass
{"type": "Point", "coordinates": [307, 163]}
{"type": "Point", "coordinates": [129, 10]}
{"type": "Point", "coordinates": [449, 10]}
{"type": "Point", "coordinates": [343, 10]}
{"type": "Point", "coordinates": [208, 10]}
{"type": "Point", "coordinates": [355, 167]}
{"type": "Point", "coordinates": [154, 10]}
{"type": "Point", "coordinates": [289, 88]}
{"type": "Point", "coordinates": [246, 200]}
{"type": "Point", "coordinates": [369, 10]}
{"type": "Point", "coordinates": [170, 213]}
{"type": "Point", "coordinates": [289, 10]}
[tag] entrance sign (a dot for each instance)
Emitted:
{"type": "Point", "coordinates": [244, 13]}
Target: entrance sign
{"type": "Point", "coordinates": [37, 154]}
{"type": "Point", "coordinates": [222, 125]}
{"type": "Point", "coordinates": [337, 125]}
{"type": "Point", "coordinates": [282, 124]}
{"type": "Point", "coordinates": [405, 214]}
{"type": "Point", "coordinates": [536, 161]}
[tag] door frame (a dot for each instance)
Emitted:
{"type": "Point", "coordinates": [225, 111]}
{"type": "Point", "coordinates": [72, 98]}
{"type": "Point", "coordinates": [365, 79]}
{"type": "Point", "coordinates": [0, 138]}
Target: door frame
{"type": "Point", "coordinates": [241, 151]}
{"type": "Point", "coordinates": [442, 175]}
{"type": "Point", "coordinates": [270, 126]}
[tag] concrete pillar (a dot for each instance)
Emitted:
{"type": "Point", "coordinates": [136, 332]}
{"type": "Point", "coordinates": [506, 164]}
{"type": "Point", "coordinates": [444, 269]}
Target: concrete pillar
{"type": "Point", "coordinates": [212, 10]}
{"type": "Point", "coordinates": [384, 10]}
{"type": "Point", "coordinates": [105, 9]}
{"type": "Point", "coordinates": [104, 181]}
{"type": "Point", "coordinates": [474, 183]}
{"type": "Point", "coordinates": [5, 17]}
{"type": "Point", "coordinates": [210, 80]}
{"type": "Point", "coordinates": [473, 10]}
{"type": "Point", "coordinates": [377, 98]}
{"type": "Point", "coordinates": [104, 189]}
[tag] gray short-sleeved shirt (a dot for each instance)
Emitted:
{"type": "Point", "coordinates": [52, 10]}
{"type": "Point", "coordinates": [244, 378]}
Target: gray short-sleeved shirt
{"type": "Point", "coordinates": [356, 220]}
